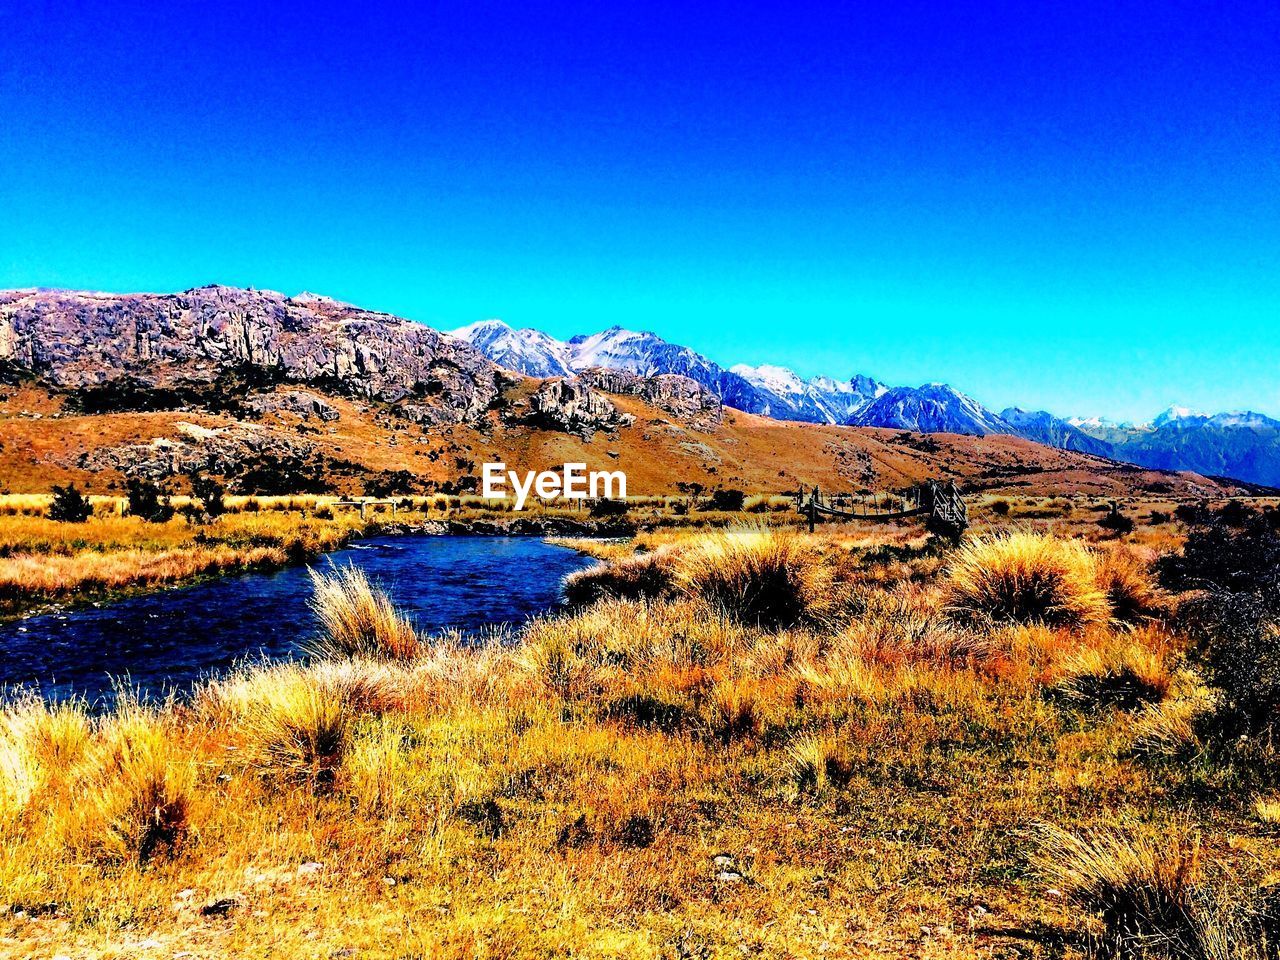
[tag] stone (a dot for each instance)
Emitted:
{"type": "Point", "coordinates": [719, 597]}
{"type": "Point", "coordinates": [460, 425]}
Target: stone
{"type": "Point", "coordinates": [572, 406]}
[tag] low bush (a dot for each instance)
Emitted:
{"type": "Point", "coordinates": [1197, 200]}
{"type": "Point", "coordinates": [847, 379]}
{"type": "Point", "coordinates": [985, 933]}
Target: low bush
{"type": "Point", "coordinates": [604, 507]}
{"type": "Point", "coordinates": [1115, 521]}
{"type": "Point", "coordinates": [1234, 618]}
{"type": "Point", "coordinates": [149, 501]}
{"type": "Point", "coordinates": [69, 505]}
{"type": "Point", "coordinates": [730, 500]}
{"type": "Point", "coordinates": [1219, 557]}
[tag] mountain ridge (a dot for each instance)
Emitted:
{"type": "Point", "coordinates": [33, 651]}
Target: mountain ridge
{"type": "Point", "coordinates": [196, 339]}
{"type": "Point", "coordinates": [1243, 444]}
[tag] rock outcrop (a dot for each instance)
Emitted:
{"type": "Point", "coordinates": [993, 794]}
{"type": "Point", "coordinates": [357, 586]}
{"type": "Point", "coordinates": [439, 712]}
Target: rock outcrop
{"type": "Point", "coordinates": [76, 339]}
{"type": "Point", "coordinates": [573, 407]}
{"type": "Point", "coordinates": [303, 403]}
{"type": "Point", "coordinates": [680, 396]}
{"type": "Point", "coordinates": [219, 451]}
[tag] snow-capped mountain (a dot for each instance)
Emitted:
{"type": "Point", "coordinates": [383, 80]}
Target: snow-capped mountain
{"type": "Point", "coordinates": [530, 352]}
{"type": "Point", "coordinates": [1043, 427]}
{"type": "Point", "coordinates": [1243, 445]}
{"type": "Point", "coordinates": [932, 408]}
{"type": "Point", "coordinates": [768, 390]}
{"type": "Point", "coordinates": [536, 354]}
{"type": "Point", "coordinates": [820, 399]}
{"type": "Point", "coordinates": [1175, 414]}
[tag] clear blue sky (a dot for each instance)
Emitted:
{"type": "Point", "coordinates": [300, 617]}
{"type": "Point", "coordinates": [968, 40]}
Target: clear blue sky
{"type": "Point", "coordinates": [1073, 206]}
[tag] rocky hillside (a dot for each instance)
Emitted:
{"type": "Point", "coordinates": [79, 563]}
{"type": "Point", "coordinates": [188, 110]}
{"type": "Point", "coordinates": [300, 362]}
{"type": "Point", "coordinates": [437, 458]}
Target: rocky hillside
{"type": "Point", "coordinates": [200, 340]}
{"type": "Point", "coordinates": [301, 394]}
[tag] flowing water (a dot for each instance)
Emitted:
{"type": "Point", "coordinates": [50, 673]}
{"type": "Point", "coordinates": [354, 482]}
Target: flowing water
{"type": "Point", "coordinates": [171, 639]}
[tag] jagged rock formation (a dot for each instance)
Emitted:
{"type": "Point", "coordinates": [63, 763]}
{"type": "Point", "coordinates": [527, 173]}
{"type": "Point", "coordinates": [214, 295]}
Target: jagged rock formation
{"type": "Point", "coordinates": [220, 451]}
{"type": "Point", "coordinates": [85, 339]}
{"type": "Point", "coordinates": [678, 395]}
{"type": "Point", "coordinates": [573, 407]}
{"type": "Point", "coordinates": [301, 402]}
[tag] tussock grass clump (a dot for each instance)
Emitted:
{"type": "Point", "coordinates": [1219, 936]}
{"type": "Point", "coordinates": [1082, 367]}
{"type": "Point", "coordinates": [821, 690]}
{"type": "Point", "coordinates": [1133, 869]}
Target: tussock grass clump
{"type": "Point", "coordinates": [757, 575]}
{"type": "Point", "coordinates": [1171, 728]}
{"type": "Point", "coordinates": [139, 789]}
{"type": "Point", "coordinates": [1026, 578]}
{"type": "Point", "coordinates": [1122, 674]}
{"type": "Point", "coordinates": [1140, 884]}
{"type": "Point", "coordinates": [819, 762]}
{"type": "Point", "coordinates": [38, 741]}
{"type": "Point", "coordinates": [358, 619]}
{"type": "Point", "coordinates": [1125, 577]}
{"type": "Point", "coordinates": [637, 577]}
{"type": "Point", "coordinates": [293, 721]}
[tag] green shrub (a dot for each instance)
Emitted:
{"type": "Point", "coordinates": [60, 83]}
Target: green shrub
{"type": "Point", "coordinates": [69, 505]}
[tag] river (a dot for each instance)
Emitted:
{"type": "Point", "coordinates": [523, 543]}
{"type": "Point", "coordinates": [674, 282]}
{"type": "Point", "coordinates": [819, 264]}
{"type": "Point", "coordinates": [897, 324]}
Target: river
{"type": "Point", "coordinates": [171, 639]}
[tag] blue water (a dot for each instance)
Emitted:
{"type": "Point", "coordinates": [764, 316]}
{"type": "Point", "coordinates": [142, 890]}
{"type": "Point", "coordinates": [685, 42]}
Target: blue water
{"type": "Point", "coordinates": [169, 640]}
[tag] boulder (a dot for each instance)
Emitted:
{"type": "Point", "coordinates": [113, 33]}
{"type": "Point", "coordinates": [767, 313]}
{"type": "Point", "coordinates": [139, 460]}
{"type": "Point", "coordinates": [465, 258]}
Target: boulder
{"type": "Point", "coordinates": [574, 407]}
{"type": "Point", "coordinates": [301, 402]}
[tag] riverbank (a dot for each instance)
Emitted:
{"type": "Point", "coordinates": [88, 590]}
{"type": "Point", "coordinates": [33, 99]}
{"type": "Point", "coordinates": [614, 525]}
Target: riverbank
{"type": "Point", "coordinates": [167, 642]}
{"type": "Point", "coordinates": [47, 565]}
{"type": "Point", "coordinates": [753, 743]}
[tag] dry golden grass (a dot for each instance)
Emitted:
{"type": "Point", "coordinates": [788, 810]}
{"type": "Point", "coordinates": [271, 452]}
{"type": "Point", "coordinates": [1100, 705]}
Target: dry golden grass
{"type": "Point", "coordinates": [1025, 577]}
{"type": "Point", "coordinates": [358, 619]}
{"type": "Point", "coordinates": [642, 778]}
{"type": "Point", "coordinates": [1139, 881]}
{"type": "Point", "coordinates": [1127, 672]}
{"type": "Point", "coordinates": [42, 561]}
{"type": "Point", "coordinates": [755, 574]}
{"type": "Point", "coordinates": [1124, 575]}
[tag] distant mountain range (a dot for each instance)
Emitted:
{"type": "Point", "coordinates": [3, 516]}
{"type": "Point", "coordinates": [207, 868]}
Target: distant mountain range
{"type": "Point", "coordinates": [1244, 446]}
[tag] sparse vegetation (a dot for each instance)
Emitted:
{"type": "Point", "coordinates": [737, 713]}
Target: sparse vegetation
{"type": "Point", "coordinates": [743, 739]}
{"type": "Point", "coordinates": [69, 505]}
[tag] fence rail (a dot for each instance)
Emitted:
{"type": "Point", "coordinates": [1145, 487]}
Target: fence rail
{"type": "Point", "coordinates": [938, 501]}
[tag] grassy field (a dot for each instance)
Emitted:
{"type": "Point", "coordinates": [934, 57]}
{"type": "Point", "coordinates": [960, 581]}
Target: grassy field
{"type": "Point", "coordinates": [45, 563]}
{"type": "Point", "coordinates": [751, 742]}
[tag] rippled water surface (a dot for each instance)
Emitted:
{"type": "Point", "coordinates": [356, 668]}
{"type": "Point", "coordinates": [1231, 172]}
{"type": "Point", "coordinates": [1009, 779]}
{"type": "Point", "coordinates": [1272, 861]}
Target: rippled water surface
{"type": "Point", "coordinates": [172, 638]}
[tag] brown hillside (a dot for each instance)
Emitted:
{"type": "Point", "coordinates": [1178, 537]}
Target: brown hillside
{"type": "Point", "coordinates": [41, 445]}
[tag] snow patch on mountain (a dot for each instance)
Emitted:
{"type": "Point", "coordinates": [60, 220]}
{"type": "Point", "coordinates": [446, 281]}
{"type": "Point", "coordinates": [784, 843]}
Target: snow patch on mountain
{"type": "Point", "coordinates": [931, 408]}
{"type": "Point", "coordinates": [527, 351]}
